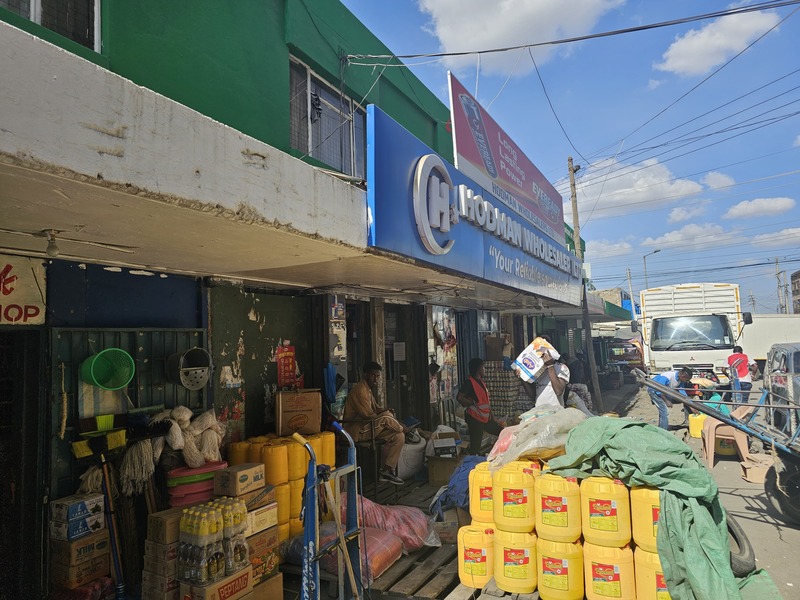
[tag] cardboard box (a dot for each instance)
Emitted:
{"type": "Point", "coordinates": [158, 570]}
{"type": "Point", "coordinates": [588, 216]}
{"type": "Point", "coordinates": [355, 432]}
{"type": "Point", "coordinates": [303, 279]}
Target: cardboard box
{"type": "Point", "coordinates": [260, 519]}
{"type": "Point", "coordinates": [77, 528]}
{"type": "Point", "coordinates": [74, 576]}
{"type": "Point", "coordinates": [163, 568]}
{"type": "Point", "coordinates": [77, 506]}
{"type": "Point", "coordinates": [159, 583]}
{"type": "Point", "coordinates": [259, 498]}
{"type": "Point", "coordinates": [233, 587]}
{"type": "Point", "coordinates": [271, 589]}
{"type": "Point", "coordinates": [299, 411]}
{"type": "Point", "coordinates": [445, 444]}
{"type": "Point", "coordinates": [164, 527]}
{"type": "Point", "coordinates": [447, 530]}
{"type": "Point", "coordinates": [440, 469]}
{"type": "Point", "coordinates": [83, 549]}
{"type": "Point", "coordinates": [238, 480]}
{"type": "Point", "coordinates": [148, 594]}
{"type": "Point", "coordinates": [263, 554]}
{"type": "Point", "coordinates": [161, 551]}
{"type": "Point", "coordinates": [755, 467]}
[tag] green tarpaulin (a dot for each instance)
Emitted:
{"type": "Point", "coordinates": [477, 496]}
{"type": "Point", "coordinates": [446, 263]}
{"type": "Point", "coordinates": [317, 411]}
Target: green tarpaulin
{"type": "Point", "coordinates": [692, 534]}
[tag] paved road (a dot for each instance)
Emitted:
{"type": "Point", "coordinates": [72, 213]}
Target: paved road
{"type": "Point", "coordinates": [776, 545]}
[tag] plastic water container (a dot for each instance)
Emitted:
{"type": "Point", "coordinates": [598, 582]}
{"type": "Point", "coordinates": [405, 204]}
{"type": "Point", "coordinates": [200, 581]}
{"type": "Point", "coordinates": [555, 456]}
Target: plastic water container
{"type": "Point", "coordinates": [723, 447]}
{"type": "Point", "coordinates": [282, 498]}
{"type": "Point", "coordinates": [605, 512]}
{"type": "Point", "coordinates": [645, 510]}
{"type": "Point", "coordinates": [276, 463]}
{"type": "Point", "coordinates": [297, 457]}
{"type": "Point", "coordinates": [650, 583]}
{"type": "Point", "coordinates": [480, 493]}
{"type": "Point", "coordinates": [296, 497]}
{"type": "Point", "coordinates": [475, 556]}
{"type": "Point", "coordinates": [696, 425]}
{"type": "Point", "coordinates": [238, 453]}
{"type": "Point", "coordinates": [328, 448]}
{"type": "Point", "coordinates": [557, 504]}
{"type": "Point", "coordinates": [254, 452]}
{"type": "Point", "coordinates": [512, 499]}
{"type": "Point", "coordinates": [559, 570]}
{"type": "Point", "coordinates": [316, 444]}
{"type": "Point", "coordinates": [515, 561]}
{"type": "Point", "coordinates": [608, 572]}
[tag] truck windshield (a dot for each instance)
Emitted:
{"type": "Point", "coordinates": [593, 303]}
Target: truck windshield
{"type": "Point", "coordinates": [681, 333]}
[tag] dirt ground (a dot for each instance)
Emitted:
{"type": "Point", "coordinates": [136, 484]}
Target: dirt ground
{"type": "Point", "coordinates": [775, 543]}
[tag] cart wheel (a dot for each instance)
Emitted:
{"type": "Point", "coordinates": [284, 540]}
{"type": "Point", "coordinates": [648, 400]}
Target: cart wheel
{"type": "Point", "coordinates": [743, 558]}
{"type": "Point", "coordinates": [783, 492]}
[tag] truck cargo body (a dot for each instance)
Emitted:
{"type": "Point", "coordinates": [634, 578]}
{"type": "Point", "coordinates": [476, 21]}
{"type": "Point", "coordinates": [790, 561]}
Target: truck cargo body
{"type": "Point", "coordinates": [691, 325]}
{"type": "Point", "coordinates": [766, 330]}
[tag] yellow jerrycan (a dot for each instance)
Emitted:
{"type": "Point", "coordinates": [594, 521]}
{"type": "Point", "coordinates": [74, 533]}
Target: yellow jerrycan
{"type": "Point", "coordinates": [608, 572]}
{"type": "Point", "coordinates": [559, 570]}
{"type": "Point", "coordinates": [645, 510]}
{"type": "Point", "coordinates": [650, 584]}
{"type": "Point", "coordinates": [475, 556]}
{"type": "Point", "coordinates": [480, 493]}
{"type": "Point", "coordinates": [557, 504]}
{"type": "Point", "coordinates": [605, 512]}
{"type": "Point", "coordinates": [512, 498]}
{"type": "Point", "coordinates": [515, 561]}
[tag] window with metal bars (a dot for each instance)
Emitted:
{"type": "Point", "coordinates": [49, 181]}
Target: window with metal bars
{"type": "Point", "coordinates": [326, 124]}
{"type": "Point", "coordinates": [74, 19]}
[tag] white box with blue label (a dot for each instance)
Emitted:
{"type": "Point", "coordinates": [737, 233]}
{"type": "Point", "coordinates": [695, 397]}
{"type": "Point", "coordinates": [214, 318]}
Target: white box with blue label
{"type": "Point", "coordinates": [76, 506]}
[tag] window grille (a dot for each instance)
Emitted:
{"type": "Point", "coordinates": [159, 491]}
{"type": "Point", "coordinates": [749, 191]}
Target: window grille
{"type": "Point", "coordinates": [74, 19]}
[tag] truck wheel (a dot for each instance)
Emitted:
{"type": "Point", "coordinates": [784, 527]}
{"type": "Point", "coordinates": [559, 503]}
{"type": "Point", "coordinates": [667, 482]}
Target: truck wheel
{"type": "Point", "coordinates": [743, 558]}
{"type": "Point", "coordinates": [783, 492]}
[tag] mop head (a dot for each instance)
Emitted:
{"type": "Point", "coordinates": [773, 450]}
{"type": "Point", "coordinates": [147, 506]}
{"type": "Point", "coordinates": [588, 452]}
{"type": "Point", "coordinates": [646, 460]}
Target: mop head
{"type": "Point", "coordinates": [191, 453]}
{"type": "Point", "coordinates": [182, 415]}
{"type": "Point", "coordinates": [92, 481]}
{"type": "Point", "coordinates": [208, 444]}
{"type": "Point", "coordinates": [137, 467]}
{"type": "Point", "coordinates": [203, 422]}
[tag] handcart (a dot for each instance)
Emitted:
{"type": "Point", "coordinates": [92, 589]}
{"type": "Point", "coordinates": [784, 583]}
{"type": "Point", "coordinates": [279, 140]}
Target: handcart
{"type": "Point", "coordinates": [782, 482]}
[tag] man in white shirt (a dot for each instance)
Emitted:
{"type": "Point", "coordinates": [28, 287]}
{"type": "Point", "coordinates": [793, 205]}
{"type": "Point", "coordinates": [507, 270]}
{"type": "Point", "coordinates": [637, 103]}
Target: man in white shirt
{"type": "Point", "coordinates": [551, 386]}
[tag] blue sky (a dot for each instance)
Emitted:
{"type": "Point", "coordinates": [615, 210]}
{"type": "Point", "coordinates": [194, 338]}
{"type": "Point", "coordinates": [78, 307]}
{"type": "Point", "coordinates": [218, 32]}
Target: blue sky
{"type": "Point", "coordinates": [705, 172]}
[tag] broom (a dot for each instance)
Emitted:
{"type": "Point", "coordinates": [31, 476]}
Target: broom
{"type": "Point", "coordinates": [64, 399]}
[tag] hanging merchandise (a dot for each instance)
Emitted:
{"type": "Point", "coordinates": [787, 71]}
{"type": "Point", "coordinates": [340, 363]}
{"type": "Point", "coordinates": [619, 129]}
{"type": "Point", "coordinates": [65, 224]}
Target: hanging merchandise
{"type": "Point", "coordinates": [111, 369]}
{"type": "Point", "coordinates": [192, 368]}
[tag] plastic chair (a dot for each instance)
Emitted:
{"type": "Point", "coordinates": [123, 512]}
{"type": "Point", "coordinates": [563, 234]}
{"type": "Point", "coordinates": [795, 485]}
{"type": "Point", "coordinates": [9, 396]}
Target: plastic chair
{"type": "Point", "coordinates": [714, 428]}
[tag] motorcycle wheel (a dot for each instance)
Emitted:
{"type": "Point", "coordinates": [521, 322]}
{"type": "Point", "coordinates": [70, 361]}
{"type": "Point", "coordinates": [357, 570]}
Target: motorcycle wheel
{"type": "Point", "coordinates": [783, 492]}
{"type": "Point", "coordinates": [743, 557]}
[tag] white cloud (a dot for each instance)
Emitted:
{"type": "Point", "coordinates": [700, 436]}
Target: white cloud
{"type": "Point", "coordinates": [760, 207]}
{"type": "Point", "coordinates": [653, 84]}
{"type": "Point", "coordinates": [700, 50]}
{"type": "Point", "coordinates": [797, 141]}
{"type": "Point", "coordinates": [716, 180]}
{"type": "Point", "coordinates": [628, 188]}
{"type": "Point", "coordinates": [479, 25]}
{"type": "Point", "coordinates": [691, 237]}
{"type": "Point", "coordinates": [779, 239]}
{"type": "Point", "coordinates": [597, 249]}
{"type": "Point", "coordinates": [684, 213]}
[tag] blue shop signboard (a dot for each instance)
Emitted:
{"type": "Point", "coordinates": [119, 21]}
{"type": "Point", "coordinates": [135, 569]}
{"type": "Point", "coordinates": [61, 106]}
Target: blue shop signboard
{"type": "Point", "coordinates": [420, 206]}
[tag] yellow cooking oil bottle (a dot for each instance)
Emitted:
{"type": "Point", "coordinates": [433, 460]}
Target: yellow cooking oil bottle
{"type": "Point", "coordinates": [515, 561]}
{"type": "Point", "coordinates": [559, 570]}
{"type": "Point", "coordinates": [328, 448]}
{"type": "Point", "coordinates": [254, 451]}
{"type": "Point", "coordinates": [276, 463]}
{"type": "Point", "coordinates": [480, 493]}
{"type": "Point", "coordinates": [608, 572]}
{"type": "Point", "coordinates": [605, 512]}
{"type": "Point", "coordinates": [650, 583]}
{"type": "Point", "coordinates": [296, 487]}
{"type": "Point", "coordinates": [557, 508]}
{"type": "Point", "coordinates": [282, 498]}
{"type": "Point", "coordinates": [512, 498]}
{"type": "Point", "coordinates": [238, 453]}
{"type": "Point", "coordinates": [645, 510]}
{"type": "Point", "coordinates": [475, 556]}
{"type": "Point", "coordinates": [297, 457]}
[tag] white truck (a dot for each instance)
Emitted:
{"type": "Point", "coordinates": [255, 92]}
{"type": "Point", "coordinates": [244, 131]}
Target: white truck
{"type": "Point", "coordinates": [758, 337]}
{"type": "Point", "coordinates": [693, 325]}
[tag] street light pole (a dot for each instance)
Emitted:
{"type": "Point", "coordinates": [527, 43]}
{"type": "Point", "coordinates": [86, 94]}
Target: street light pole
{"type": "Point", "coordinates": [644, 258]}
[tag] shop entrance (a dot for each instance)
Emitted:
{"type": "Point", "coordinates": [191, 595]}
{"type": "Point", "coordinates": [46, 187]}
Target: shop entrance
{"type": "Point", "coordinates": [20, 461]}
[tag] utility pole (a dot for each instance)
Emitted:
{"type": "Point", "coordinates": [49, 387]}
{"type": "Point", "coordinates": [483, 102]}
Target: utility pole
{"type": "Point", "coordinates": [752, 301]}
{"type": "Point", "coordinates": [787, 297]}
{"type": "Point", "coordinates": [630, 291]}
{"type": "Point", "coordinates": [587, 326]}
{"type": "Point", "coordinates": [780, 287]}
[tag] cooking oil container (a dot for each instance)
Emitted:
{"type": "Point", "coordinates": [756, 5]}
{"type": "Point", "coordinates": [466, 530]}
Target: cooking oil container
{"type": "Point", "coordinates": [254, 452]}
{"type": "Point", "coordinates": [650, 583]}
{"type": "Point", "coordinates": [297, 456]}
{"type": "Point", "coordinates": [283, 537]}
{"type": "Point", "coordinates": [276, 463]}
{"type": "Point", "coordinates": [328, 448]}
{"type": "Point", "coordinates": [480, 493]}
{"type": "Point", "coordinates": [261, 439]}
{"type": "Point", "coordinates": [316, 444]}
{"type": "Point", "coordinates": [512, 498]}
{"type": "Point", "coordinates": [238, 453]}
{"type": "Point", "coordinates": [295, 527]}
{"type": "Point", "coordinates": [515, 561]}
{"type": "Point", "coordinates": [557, 508]}
{"type": "Point", "coordinates": [696, 425]}
{"type": "Point", "coordinates": [296, 497]}
{"type": "Point", "coordinates": [605, 512]}
{"type": "Point", "coordinates": [475, 556]}
{"type": "Point", "coordinates": [608, 572]}
{"type": "Point", "coordinates": [533, 464]}
{"type": "Point", "coordinates": [724, 447]}
{"type": "Point", "coordinates": [645, 510]}
{"type": "Point", "coordinates": [282, 498]}
{"type": "Point", "coordinates": [559, 570]}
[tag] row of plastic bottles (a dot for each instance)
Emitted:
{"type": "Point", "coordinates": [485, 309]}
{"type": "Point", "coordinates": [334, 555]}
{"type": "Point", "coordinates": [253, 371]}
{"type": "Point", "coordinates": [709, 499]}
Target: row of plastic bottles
{"type": "Point", "coordinates": [206, 564]}
{"type": "Point", "coordinates": [212, 522]}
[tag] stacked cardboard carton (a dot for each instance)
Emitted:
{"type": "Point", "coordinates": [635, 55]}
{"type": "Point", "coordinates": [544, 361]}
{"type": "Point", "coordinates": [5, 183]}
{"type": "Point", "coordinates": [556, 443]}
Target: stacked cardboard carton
{"type": "Point", "coordinates": [79, 545]}
{"type": "Point", "coordinates": [159, 577]}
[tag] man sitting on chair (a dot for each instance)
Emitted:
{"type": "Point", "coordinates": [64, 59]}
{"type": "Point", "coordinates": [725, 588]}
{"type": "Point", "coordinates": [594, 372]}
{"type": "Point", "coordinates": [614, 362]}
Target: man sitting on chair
{"type": "Point", "coordinates": [363, 418]}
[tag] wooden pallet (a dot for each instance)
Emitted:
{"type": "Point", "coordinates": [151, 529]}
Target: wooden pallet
{"type": "Point", "coordinates": [426, 574]}
{"type": "Point", "coordinates": [489, 592]}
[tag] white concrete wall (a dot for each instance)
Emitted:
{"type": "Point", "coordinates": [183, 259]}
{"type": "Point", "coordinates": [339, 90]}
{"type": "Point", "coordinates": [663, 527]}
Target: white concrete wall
{"type": "Point", "coordinates": [67, 113]}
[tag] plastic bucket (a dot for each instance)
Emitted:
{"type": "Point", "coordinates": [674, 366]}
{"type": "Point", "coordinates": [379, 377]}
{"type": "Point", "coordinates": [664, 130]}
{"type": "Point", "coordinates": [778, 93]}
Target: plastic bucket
{"type": "Point", "coordinates": [515, 561]}
{"type": "Point", "coordinates": [512, 499]}
{"type": "Point", "coordinates": [559, 570]}
{"type": "Point", "coordinates": [605, 512]}
{"type": "Point", "coordinates": [191, 368]}
{"type": "Point", "coordinates": [111, 369]}
{"type": "Point", "coordinates": [480, 493]}
{"type": "Point", "coordinates": [608, 572]}
{"type": "Point", "coordinates": [645, 511]}
{"type": "Point", "coordinates": [557, 508]}
{"type": "Point", "coordinates": [650, 584]}
{"type": "Point", "coordinates": [475, 556]}
{"type": "Point", "coordinates": [696, 425]}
